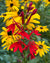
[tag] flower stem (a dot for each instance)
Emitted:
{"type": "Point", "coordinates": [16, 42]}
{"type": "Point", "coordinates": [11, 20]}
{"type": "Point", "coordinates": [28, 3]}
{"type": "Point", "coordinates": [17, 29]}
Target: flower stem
{"type": "Point", "coordinates": [25, 60]}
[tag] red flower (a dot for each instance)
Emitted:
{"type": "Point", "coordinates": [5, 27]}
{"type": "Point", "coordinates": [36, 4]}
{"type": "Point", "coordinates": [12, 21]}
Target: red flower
{"type": "Point", "coordinates": [32, 48]}
{"type": "Point", "coordinates": [24, 34]}
{"type": "Point", "coordinates": [11, 28]}
{"type": "Point", "coordinates": [17, 45]}
{"type": "Point", "coordinates": [35, 32]}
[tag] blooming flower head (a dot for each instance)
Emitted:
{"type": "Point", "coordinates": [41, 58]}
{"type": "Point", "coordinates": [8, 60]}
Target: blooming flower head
{"type": "Point", "coordinates": [24, 35]}
{"type": "Point", "coordinates": [9, 16]}
{"type": "Point", "coordinates": [41, 28]}
{"type": "Point", "coordinates": [8, 38]}
{"type": "Point", "coordinates": [35, 32]}
{"type": "Point", "coordinates": [12, 4]}
{"type": "Point", "coordinates": [18, 45]}
{"type": "Point", "coordinates": [43, 48]}
{"type": "Point", "coordinates": [13, 27]}
{"type": "Point", "coordinates": [46, 2]}
{"type": "Point", "coordinates": [32, 48]}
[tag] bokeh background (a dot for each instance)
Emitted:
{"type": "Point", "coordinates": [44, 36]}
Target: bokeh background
{"type": "Point", "coordinates": [10, 57]}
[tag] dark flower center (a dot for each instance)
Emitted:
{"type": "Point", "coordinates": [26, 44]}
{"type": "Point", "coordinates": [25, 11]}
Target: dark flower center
{"type": "Point", "coordinates": [11, 4]}
{"type": "Point", "coordinates": [25, 0]}
{"type": "Point", "coordinates": [41, 27]}
{"type": "Point", "coordinates": [20, 11]}
{"type": "Point", "coordinates": [40, 46]}
{"type": "Point", "coordinates": [10, 33]}
{"type": "Point", "coordinates": [49, 0]}
{"type": "Point", "coordinates": [11, 0]}
{"type": "Point", "coordinates": [4, 14]}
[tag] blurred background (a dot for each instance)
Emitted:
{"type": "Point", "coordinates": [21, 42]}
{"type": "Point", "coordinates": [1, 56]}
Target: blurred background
{"type": "Point", "coordinates": [10, 57]}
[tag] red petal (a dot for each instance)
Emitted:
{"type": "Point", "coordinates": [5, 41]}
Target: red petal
{"type": "Point", "coordinates": [24, 34]}
{"type": "Point", "coordinates": [32, 57]}
{"type": "Point", "coordinates": [20, 48]}
{"type": "Point", "coordinates": [15, 49]}
{"type": "Point", "coordinates": [35, 32]}
{"type": "Point", "coordinates": [31, 51]}
{"type": "Point", "coordinates": [13, 45]}
{"type": "Point", "coordinates": [23, 43]}
{"type": "Point", "coordinates": [11, 28]}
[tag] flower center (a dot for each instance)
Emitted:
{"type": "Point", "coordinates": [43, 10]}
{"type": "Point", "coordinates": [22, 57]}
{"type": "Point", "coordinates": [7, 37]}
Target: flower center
{"type": "Point", "coordinates": [4, 14]}
{"type": "Point", "coordinates": [40, 46]}
{"type": "Point", "coordinates": [10, 33]}
{"type": "Point", "coordinates": [49, 0]}
{"type": "Point", "coordinates": [11, 4]}
{"type": "Point", "coordinates": [41, 27]}
{"type": "Point", "coordinates": [20, 11]}
{"type": "Point", "coordinates": [25, 0]}
{"type": "Point", "coordinates": [11, 0]}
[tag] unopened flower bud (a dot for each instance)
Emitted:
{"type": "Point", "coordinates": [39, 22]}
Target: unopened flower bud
{"type": "Point", "coordinates": [34, 11]}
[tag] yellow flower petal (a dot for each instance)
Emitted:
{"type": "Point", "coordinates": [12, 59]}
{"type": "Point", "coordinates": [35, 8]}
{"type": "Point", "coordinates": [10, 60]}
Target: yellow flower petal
{"type": "Point", "coordinates": [4, 39]}
{"type": "Point", "coordinates": [4, 28]}
{"type": "Point", "coordinates": [35, 16]}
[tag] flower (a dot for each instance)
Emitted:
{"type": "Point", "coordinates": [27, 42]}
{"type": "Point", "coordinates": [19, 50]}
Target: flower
{"type": "Point", "coordinates": [35, 32]}
{"type": "Point", "coordinates": [17, 45]}
{"type": "Point", "coordinates": [24, 35]}
{"type": "Point", "coordinates": [13, 27]}
{"type": "Point", "coordinates": [32, 48]}
{"type": "Point", "coordinates": [43, 48]}
{"type": "Point", "coordinates": [42, 28]}
{"type": "Point", "coordinates": [12, 5]}
{"type": "Point", "coordinates": [8, 38]}
{"type": "Point", "coordinates": [9, 17]}
{"type": "Point", "coordinates": [47, 2]}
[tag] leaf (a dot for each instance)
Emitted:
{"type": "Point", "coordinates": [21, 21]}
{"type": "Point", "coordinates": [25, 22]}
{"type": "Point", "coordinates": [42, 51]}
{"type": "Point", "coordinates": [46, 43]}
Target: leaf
{"type": "Point", "coordinates": [38, 38]}
{"type": "Point", "coordinates": [34, 60]}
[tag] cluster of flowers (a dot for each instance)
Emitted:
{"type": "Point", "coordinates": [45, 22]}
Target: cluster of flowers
{"type": "Point", "coordinates": [21, 27]}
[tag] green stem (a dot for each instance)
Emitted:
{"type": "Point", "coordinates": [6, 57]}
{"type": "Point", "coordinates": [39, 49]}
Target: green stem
{"type": "Point", "coordinates": [25, 61]}
{"type": "Point", "coordinates": [25, 58]}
